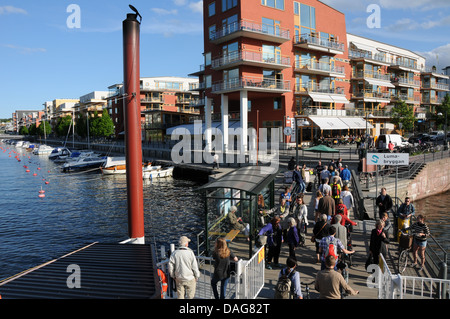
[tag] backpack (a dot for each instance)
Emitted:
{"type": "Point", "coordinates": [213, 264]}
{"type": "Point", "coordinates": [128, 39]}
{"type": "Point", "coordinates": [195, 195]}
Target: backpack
{"type": "Point", "coordinates": [335, 191]}
{"type": "Point", "coordinates": [332, 248]}
{"type": "Point", "coordinates": [283, 286]}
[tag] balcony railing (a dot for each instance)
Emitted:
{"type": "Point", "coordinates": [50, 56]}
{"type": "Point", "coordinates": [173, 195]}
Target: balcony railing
{"type": "Point", "coordinates": [373, 95]}
{"type": "Point", "coordinates": [317, 88]}
{"type": "Point", "coordinates": [432, 100]}
{"type": "Point", "coordinates": [251, 56]}
{"type": "Point", "coordinates": [367, 55]}
{"type": "Point", "coordinates": [320, 67]}
{"type": "Point", "coordinates": [252, 83]}
{"type": "Point", "coordinates": [152, 100]}
{"type": "Point", "coordinates": [372, 75]}
{"type": "Point", "coordinates": [197, 102]}
{"type": "Point", "coordinates": [405, 81]}
{"type": "Point", "coordinates": [436, 86]}
{"type": "Point", "coordinates": [406, 98]}
{"type": "Point", "coordinates": [257, 28]}
{"type": "Point", "coordinates": [308, 38]}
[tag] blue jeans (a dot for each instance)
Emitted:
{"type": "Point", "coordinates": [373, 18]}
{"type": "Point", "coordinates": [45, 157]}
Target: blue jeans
{"type": "Point", "coordinates": [223, 287]}
{"type": "Point", "coordinates": [302, 187]}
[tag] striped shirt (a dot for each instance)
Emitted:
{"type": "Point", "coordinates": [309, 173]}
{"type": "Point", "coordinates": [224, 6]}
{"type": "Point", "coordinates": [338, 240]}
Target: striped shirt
{"type": "Point", "coordinates": [418, 228]}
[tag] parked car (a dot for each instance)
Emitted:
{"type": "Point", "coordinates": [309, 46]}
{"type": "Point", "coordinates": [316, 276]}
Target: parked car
{"type": "Point", "coordinates": [417, 139]}
{"type": "Point", "coordinates": [437, 137]}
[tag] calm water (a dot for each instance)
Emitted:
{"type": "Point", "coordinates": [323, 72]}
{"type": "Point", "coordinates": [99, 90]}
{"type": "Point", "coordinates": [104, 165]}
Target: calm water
{"type": "Point", "coordinates": [79, 209]}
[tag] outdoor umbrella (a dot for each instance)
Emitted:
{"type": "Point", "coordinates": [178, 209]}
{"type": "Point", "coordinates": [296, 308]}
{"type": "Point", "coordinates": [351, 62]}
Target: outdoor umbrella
{"type": "Point", "coordinates": [321, 149]}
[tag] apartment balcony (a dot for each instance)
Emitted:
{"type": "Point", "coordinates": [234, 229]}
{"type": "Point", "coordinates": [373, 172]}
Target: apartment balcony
{"type": "Point", "coordinates": [255, 84]}
{"type": "Point", "coordinates": [152, 100]}
{"type": "Point", "coordinates": [405, 82]}
{"type": "Point", "coordinates": [369, 57]}
{"type": "Point", "coordinates": [406, 98]}
{"type": "Point", "coordinates": [381, 113]}
{"type": "Point", "coordinates": [369, 96]}
{"type": "Point", "coordinates": [314, 88]}
{"type": "Point", "coordinates": [362, 75]}
{"type": "Point", "coordinates": [320, 68]}
{"type": "Point", "coordinates": [188, 109]}
{"type": "Point", "coordinates": [250, 30]}
{"type": "Point", "coordinates": [436, 86]}
{"type": "Point", "coordinates": [432, 100]}
{"type": "Point", "coordinates": [314, 42]}
{"type": "Point", "coordinates": [420, 113]}
{"type": "Point", "coordinates": [198, 86]}
{"type": "Point", "coordinates": [197, 103]}
{"type": "Point", "coordinates": [402, 66]}
{"type": "Point", "coordinates": [258, 59]}
{"type": "Point", "coordinates": [151, 108]}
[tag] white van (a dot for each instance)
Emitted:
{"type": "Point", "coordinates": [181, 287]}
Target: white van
{"type": "Point", "coordinates": [396, 139]}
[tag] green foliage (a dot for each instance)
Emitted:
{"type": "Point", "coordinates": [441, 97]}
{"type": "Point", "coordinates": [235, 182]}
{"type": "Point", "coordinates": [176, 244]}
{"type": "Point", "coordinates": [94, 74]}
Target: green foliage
{"type": "Point", "coordinates": [404, 114]}
{"type": "Point", "coordinates": [102, 126]}
{"type": "Point", "coordinates": [40, 129]}
{"type": "Point", "coordinates": [23, 130]}
{"type": "Point", "coordinates": [62, 126]}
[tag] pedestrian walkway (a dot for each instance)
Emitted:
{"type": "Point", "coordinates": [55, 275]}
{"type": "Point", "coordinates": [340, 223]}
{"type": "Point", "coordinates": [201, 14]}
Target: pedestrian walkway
{"type": "Point", "coordinates": [306, 256]}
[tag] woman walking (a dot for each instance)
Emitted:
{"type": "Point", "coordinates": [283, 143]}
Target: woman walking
{"type": "Point", "coordinates": [222, 257]}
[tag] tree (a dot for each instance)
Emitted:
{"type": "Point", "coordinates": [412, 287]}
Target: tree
{"type": "Point", "coordinates": [81, 126]}
{"type": "Point", "coordinates": [62, 126]}
{"type": "Point", "coordinates": [102, 126]}
{"type": "Point", "coordinates": [444, 109]}
{"type": "Point", "coordinates": [404, 114]}
{"type": "Point", "coordinates": [23, 130]}
{"type": "Point", "coordinates": [40, 129]}
{"type": "Point", "coordinates": [32, 129]}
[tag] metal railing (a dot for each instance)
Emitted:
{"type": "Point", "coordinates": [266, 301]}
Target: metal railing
{"type": "Point", "coordinates": [246, 280]}
{"type": "Point", "coordinates": [244, 25]}
{"type": "Point", "coordinates": [252, 82]}
{"type": "Point", "coordinates": [261, 57]}
{"type": "Point", "coordinates": [394, 286]}
{"type": "Point", "coordinates": [317, 40]}
{"type": "Point", "coordinates": [320, 66]}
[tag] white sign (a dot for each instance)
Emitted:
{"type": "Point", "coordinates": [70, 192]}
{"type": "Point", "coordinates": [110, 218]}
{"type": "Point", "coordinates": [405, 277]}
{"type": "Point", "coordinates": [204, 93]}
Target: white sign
{"type": "Point", "coordinates": [396, 159]}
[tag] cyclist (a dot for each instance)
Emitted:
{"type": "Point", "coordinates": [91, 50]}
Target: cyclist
{"type": "Point", "coordinates": [405, 212]}
{"type": "Point", "coordinates": [330, 245]}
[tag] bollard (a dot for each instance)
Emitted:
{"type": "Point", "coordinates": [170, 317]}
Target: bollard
{"type": "Point", "coordinates": [443, 275]}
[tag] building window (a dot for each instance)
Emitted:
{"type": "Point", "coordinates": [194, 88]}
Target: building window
{"type": "Point", "coordinates": [277, 4]}
{"type": "Point", "coordinates": [208, 58]}
{"type": "Point", "coordinates": [228, 4]}
{"type": "Point", "coordinates": [212, 9]}
{"type": "Point", "coordinates": [208, 81]}
{"type": "Point", "coordinates": [277, 103]}
{"type": "Point", "coordinates": [307, 17]}
{"type": "Point", "coordinates": [212, 32]}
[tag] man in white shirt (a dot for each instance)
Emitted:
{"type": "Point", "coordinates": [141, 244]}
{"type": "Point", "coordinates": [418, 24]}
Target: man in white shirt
{"type": "Point", "coordinates": [183, 268]}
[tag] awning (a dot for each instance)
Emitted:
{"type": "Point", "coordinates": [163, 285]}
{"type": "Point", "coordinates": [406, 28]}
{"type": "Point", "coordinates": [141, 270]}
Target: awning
{"type": "Point", "coordinates": [329, 123]}
{"type": "Point", "coordinates": [339, 98]}
{"type": "Point", "coordinates": [321, 98]}
{"type": "Point", "coordinates": [356, 122]}
{"type": "Point", "coordinates": [380, 83]}
{"type": "Point", "coordinates": [364, 47]}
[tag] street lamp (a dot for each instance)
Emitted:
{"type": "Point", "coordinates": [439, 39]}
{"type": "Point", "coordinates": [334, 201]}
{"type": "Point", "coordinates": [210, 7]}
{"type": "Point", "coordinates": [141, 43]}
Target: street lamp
{"type": "Point", "coordinates": [368, 115]}
{"type": "Point", "coordinates": [445, 130]}
{"type": "Point", "coordinates": [300, 123]}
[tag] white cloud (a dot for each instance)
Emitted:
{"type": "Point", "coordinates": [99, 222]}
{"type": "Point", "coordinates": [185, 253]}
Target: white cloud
{"type": "Point", "coordinates": [171, 27]}
{"type": "Point", "coordinates": [24, 50]}
{"type": "Point", "coordinates": [11, 9]}
{"type": "Point", "coordinates": [164, 11]}
{"type": "Point", "coordinates": [408, 4]}
{"type": "Point", "coordinates": [197, 6]}
{"type": "Point", "coordinates": [180, 2]}
{"type": "Point", "coordinates": [440, 57]}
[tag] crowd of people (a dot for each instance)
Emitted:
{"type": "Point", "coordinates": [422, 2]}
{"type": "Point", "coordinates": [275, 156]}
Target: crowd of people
{"type": "Point", "coordinates": [288, 225]}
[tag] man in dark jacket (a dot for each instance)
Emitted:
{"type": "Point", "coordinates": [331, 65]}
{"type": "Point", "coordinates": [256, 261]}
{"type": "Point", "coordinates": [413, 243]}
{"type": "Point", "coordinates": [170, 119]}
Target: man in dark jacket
{"type": "Point", "coordinates": [327, 204]}
{"type": "Point", "coordinates": [383, 202]}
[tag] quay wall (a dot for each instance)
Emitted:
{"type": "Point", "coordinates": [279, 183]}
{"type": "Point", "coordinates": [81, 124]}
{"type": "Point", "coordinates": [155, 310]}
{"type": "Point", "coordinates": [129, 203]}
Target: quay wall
{"type": "Point", "coordinates": [433, 179]}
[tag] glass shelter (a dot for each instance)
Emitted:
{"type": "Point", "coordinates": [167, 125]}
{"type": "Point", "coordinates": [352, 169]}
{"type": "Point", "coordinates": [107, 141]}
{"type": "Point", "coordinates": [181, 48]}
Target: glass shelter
{"type": "Point", "coordinates": [240, 188]}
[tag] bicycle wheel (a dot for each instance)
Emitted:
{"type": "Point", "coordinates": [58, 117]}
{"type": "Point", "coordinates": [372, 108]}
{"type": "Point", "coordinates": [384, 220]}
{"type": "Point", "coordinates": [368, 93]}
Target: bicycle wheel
{"type": "Point", "coordinates": [403, 261]}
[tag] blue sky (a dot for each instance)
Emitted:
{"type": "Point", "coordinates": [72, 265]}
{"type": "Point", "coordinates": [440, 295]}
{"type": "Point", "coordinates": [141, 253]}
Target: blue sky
{"type": "Point", "coordinates": [42, 59]}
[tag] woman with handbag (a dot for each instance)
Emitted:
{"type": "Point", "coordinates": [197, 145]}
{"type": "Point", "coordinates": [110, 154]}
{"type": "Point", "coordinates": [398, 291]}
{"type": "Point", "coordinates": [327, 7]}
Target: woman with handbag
{"type": "Point", "coordinates": [222, 269]}
{"type": "Point", "coordinates": [320, 230]}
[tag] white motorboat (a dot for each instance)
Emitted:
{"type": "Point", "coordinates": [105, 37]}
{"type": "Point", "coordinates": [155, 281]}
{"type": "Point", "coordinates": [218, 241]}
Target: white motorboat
{"type": "Point", "coordinates": [117, 165]}
{"type": "Point", "coordinates": [43, 150]}
{"type": "Point", "coordinates": [59, 153]}
{"type": "Point", "coordinates": [82, 163]}
{"type": "Point", "coordinates": [158, 173]}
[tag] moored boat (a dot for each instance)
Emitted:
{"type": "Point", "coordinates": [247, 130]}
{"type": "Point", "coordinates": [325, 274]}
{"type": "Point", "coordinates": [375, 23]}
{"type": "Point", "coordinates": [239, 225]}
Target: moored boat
{"type": "Point", "coordinates": [85, 163]}
{"type": "Point", "coordinates": [43, 150]}
{"type": "Point", "coordinates": [158, 173]}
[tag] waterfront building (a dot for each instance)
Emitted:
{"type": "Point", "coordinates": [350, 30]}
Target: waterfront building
{"type": "Point", "coordinates": [269, 62]}
{"type": "Point", "coordinates": [165, 102]}
{"type": "Point", "coordinates": [91, 103]}
{"type": "Point", "coordinates": [26, 118]}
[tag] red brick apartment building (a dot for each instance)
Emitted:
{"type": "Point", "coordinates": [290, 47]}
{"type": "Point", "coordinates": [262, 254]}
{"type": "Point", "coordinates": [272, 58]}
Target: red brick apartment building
{"type": "Point", "coordinates": [267, 61]}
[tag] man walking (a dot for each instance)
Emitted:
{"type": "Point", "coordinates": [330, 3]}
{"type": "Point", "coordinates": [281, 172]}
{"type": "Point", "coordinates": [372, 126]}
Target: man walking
{"type": "Point", "coordinates": [183, 268]}
{"type": "Point", "coordinates": [383, 202]}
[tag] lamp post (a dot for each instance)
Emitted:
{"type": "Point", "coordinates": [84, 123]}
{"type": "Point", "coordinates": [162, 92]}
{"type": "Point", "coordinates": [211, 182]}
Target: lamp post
{"type": "Point", "coordinates": [299, 123]}
{"type": "Point", "coordinates": [445, 130]}
{"type": "Point", "coordinates": [368, 115]}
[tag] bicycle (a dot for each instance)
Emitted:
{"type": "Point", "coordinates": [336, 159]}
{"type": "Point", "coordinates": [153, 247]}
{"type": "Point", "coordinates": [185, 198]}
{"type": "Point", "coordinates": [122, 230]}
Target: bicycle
{"type": "Point", "coordinates": [307, 290]}
{"type": "Point", "coordinates": [405, 244]}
